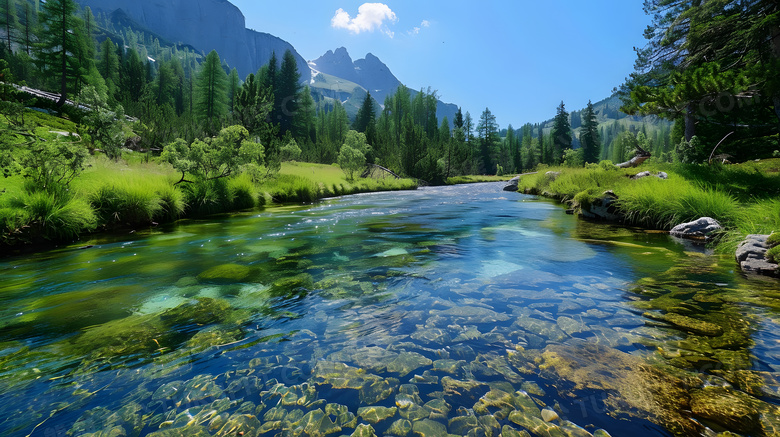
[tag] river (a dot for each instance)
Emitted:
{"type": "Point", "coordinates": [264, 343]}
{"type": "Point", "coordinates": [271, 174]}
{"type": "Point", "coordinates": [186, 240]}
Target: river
{"type": "Point", "coordinates": [443, 311]}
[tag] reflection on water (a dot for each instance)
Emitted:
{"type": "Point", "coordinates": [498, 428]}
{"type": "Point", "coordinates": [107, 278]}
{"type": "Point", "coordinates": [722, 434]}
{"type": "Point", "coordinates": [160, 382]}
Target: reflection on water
{"type": "Point", "coordinates": [444, 311]}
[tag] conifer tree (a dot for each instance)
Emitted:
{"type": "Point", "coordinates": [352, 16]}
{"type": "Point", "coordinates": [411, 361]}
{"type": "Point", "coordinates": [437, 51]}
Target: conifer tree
{"type": "Point", "coordinates": [487, 132]}
{"type": "Point", "coordinates": [211, 95]}
{"type": "Point", "coordinates": [589, 135]}
{"type": "Point", "coordinates": [288, 88]}
{"type": "Point", "coordinates": [8, 21]}
{"type": "Point", "coordinates": [561, 134]}
{"type": "Point", "coordinates": [58, 48]}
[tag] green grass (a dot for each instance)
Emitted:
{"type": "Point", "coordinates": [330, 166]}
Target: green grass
{"type": "Point", "coordinates": [471, 179]}
{"type": "Point", "coordinates": [743, 198]}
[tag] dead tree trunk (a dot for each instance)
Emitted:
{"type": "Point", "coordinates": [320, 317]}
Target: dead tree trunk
{"type": "Point", "coordinates": [642, 155]}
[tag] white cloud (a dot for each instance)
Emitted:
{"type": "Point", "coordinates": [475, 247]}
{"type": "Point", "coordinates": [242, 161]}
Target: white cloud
{"type": "Point", "coordinates": [416, 30]}
{"type": "Point", "coordinates": [370, 17]}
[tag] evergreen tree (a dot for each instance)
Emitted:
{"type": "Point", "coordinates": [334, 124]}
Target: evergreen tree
{"type": "Point", "coordinates": [589, 135]}
{"type": "Point", "coordinates": [287, 91]}
{"type": "Point", "coordinates": [58, 45]}
{"type": "Point", "coordinates": [108, 65]}
{"type": "Point", "coordinates": [211, 96]}
{"type": "Point", "coordinates": [29, 23]}
{"type": "Point", "coordinates": [458, 123]}
{"type": "Point", "coordinates": [365, 120]}
{"type": "Point", "coordinates": [233, 87]}
{"type": "Point", "coordinates": [305, 120]}
{"type": "Point", "coordinates": [487, 132]}
{"type": "Point", "coordinates": [561, 134]}
{"type": "Point", "coordinates": [8, 21]}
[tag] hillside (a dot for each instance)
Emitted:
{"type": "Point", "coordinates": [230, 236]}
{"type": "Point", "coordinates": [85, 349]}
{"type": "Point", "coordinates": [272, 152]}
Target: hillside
{"type": "Point", "coordinates": [205, 25]}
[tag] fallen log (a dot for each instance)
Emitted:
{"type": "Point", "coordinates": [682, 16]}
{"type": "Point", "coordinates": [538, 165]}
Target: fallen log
{"type": "Point", "coordinates": [642, 155]}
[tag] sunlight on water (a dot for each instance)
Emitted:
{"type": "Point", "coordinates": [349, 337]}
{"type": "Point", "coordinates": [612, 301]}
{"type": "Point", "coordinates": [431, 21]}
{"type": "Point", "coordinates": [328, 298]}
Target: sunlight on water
{"type": "Point", "coordinates": [445, 311]}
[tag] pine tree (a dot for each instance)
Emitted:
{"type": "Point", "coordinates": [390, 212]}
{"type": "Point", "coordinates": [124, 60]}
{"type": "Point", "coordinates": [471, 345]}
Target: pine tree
{"type": "Point", "coordinates": [57, 52]}
{"type": "Point", "coordinates": [561, 134]}
{"type": "Point", "coordinates": [458, 123]}
{"type": "Point", "coordinates": [8, 21]}
{"type": "Point", "coordinates": [487, 132]}
{"type": "Point", "coordinates": [288, 88]}
{"type": "Point", "coordinates": [29, 24]}
{"type": "Point", "coordinates": [589, 135]}
{"type": "Point", "coordinates": [211, 95]}
{"type": "Point", "coordinates": [233, 87]}
{"type": "Point", "coordinates": [366, 115]}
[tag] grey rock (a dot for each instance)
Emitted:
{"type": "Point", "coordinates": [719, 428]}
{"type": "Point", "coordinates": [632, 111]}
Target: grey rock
{"type": "Point", "coordinates": [645, 174]}
{"type": "Point", "coordinates": [751, 256]}
{"type": "Point", "coordinates": [698, 229]}
{"type": "Point", "coordinates": [513, 184]}
{"type": "Point", "coordinates": [602, 208]}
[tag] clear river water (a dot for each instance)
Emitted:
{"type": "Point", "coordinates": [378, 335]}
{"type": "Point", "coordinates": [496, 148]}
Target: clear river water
{"type": "Point", "coordinates": [461, 311]}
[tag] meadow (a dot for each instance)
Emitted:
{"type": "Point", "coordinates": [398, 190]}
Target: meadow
{"type": "Point", "coordinates": [744, 198]}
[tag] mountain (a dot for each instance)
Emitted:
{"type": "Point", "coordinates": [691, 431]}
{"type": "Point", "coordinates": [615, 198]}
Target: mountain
{"type": "Point", "coordinates": [205, 25]}
{"type": "Point", "coordinates": [369, 74]}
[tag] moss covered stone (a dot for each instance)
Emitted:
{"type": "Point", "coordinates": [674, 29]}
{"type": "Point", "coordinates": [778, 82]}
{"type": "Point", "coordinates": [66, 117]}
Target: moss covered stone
{"type": "Point", "coordinates": [226, 273]}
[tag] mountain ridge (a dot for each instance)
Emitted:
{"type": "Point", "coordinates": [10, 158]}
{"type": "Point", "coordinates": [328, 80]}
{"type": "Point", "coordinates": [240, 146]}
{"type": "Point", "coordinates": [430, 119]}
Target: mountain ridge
{"type": "Point", "coordinates": [206, 25]}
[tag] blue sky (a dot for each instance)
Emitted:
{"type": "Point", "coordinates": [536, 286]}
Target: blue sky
{"type": "Point", "coordinates": [519, 58]}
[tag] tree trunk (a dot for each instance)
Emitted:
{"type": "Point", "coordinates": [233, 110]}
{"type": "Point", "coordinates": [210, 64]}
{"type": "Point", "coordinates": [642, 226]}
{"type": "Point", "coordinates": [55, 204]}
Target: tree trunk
{"type": "Point", "coordinates": [690, 122]}
{"type": "Point", "coordinates": [776, 55]}
{"type": "Point", "coordinates": [64, 76]}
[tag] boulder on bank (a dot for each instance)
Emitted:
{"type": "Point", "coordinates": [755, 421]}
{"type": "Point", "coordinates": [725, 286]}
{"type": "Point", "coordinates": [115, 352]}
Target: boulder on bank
{"type": "Point", "coordinates": [700, 229]}
{"type": "Point", "coordinates": [603, 208]}
{"type": "Point", "coordinates": [751, 256]}
{"type": "Point", "coordinates": [514, 184]}
{"type": "Point", "coordinates": [644, 174]}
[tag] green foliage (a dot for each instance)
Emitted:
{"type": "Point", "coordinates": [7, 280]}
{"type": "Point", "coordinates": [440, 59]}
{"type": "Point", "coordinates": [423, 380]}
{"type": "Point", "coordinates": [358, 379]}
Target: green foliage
{"type": "Point", "coordinates": [574, 158]}
{"type": "Point", "coordinates": [125, 203]}
{"type": "Point", "coordinates": [103, 125]}
{"type": "Point", "coordinates": [352, 156]}
{"type": "Point", "coordinates": [688, 152]}
{"type": "Point", "coordinates": [48, 164]}
{"type": "Point", "coordinates": [57, 53]}
{"type": "Point", "coordinates": [290, 151]}
{"type": "Point", "coordinates": [54, 216]}
{"type": "Point", "coordinates": [773, 255]}
{"type": "Point", "coordinates": [214, 158]}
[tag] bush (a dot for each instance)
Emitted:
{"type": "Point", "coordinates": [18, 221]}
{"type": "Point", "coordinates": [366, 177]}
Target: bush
{"type": "Point", "coordinates": [241, 192]}
{"type": "Point", "coordinates": [53, 216]}
{"type": "Point", "coordinates": [125, 203]}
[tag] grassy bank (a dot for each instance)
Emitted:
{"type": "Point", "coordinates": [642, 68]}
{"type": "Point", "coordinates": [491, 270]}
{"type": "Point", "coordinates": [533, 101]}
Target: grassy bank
{"type": "Point", "coordinates": [744, 198]}
{"type": "Point", "coordinates": [472, 179]}
{"type": "Point", "coordinates": [133, 194]}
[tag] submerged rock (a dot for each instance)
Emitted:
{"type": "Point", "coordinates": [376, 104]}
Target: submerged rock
{"type": "Point", "coordinates": [226, 273]}
{"type": "Point", "coordinates": [376, 414]}
{"type": "Point", "coordinates": [688, 324]}
{"type": "Point", "coordinates": [731, 409]}
{"type": "Point", "coordinates": [429, 428]}
{"type": "Point", "coordinates": [407, 362]}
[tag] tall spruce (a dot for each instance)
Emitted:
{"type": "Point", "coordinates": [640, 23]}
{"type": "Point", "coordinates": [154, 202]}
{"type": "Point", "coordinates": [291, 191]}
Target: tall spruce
{"type": "Point", "coordinates": [561, 134]}
{"type": "Point", "coordinates": [211, 95]}
{"type": "Point", "coordinates": [589, 135]}
{"type": "Point", "coordinates": [58, 45]}
{"type": "Point", "coordinates": [487, 132]}
{"type": "Point", "coordinates": [288, 88]}
{"type": "Point", "coordinates": [8, 21]}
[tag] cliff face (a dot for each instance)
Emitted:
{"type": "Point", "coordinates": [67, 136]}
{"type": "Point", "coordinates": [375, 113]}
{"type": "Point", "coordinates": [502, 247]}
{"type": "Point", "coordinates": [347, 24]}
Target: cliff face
{"type": "Point", "coordinates": [206, 25]}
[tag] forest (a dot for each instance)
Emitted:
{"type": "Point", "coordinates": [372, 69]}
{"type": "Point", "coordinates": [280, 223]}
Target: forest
{"type": "Point", "coordinates": [129, 96]}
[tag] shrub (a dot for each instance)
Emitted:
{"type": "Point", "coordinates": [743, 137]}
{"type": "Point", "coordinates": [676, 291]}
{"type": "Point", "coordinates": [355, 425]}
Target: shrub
{"type": "Point", "coordinates": [126, 203]}
{"type": "Point", "coordinates": [241, 192]}
{"type": "Point", "coordinates": [53, 216]}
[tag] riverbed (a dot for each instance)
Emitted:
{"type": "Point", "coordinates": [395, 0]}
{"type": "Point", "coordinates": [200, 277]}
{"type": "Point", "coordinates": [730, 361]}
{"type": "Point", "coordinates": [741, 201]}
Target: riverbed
{"type": "Point", "coordinates": [443, 311]}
